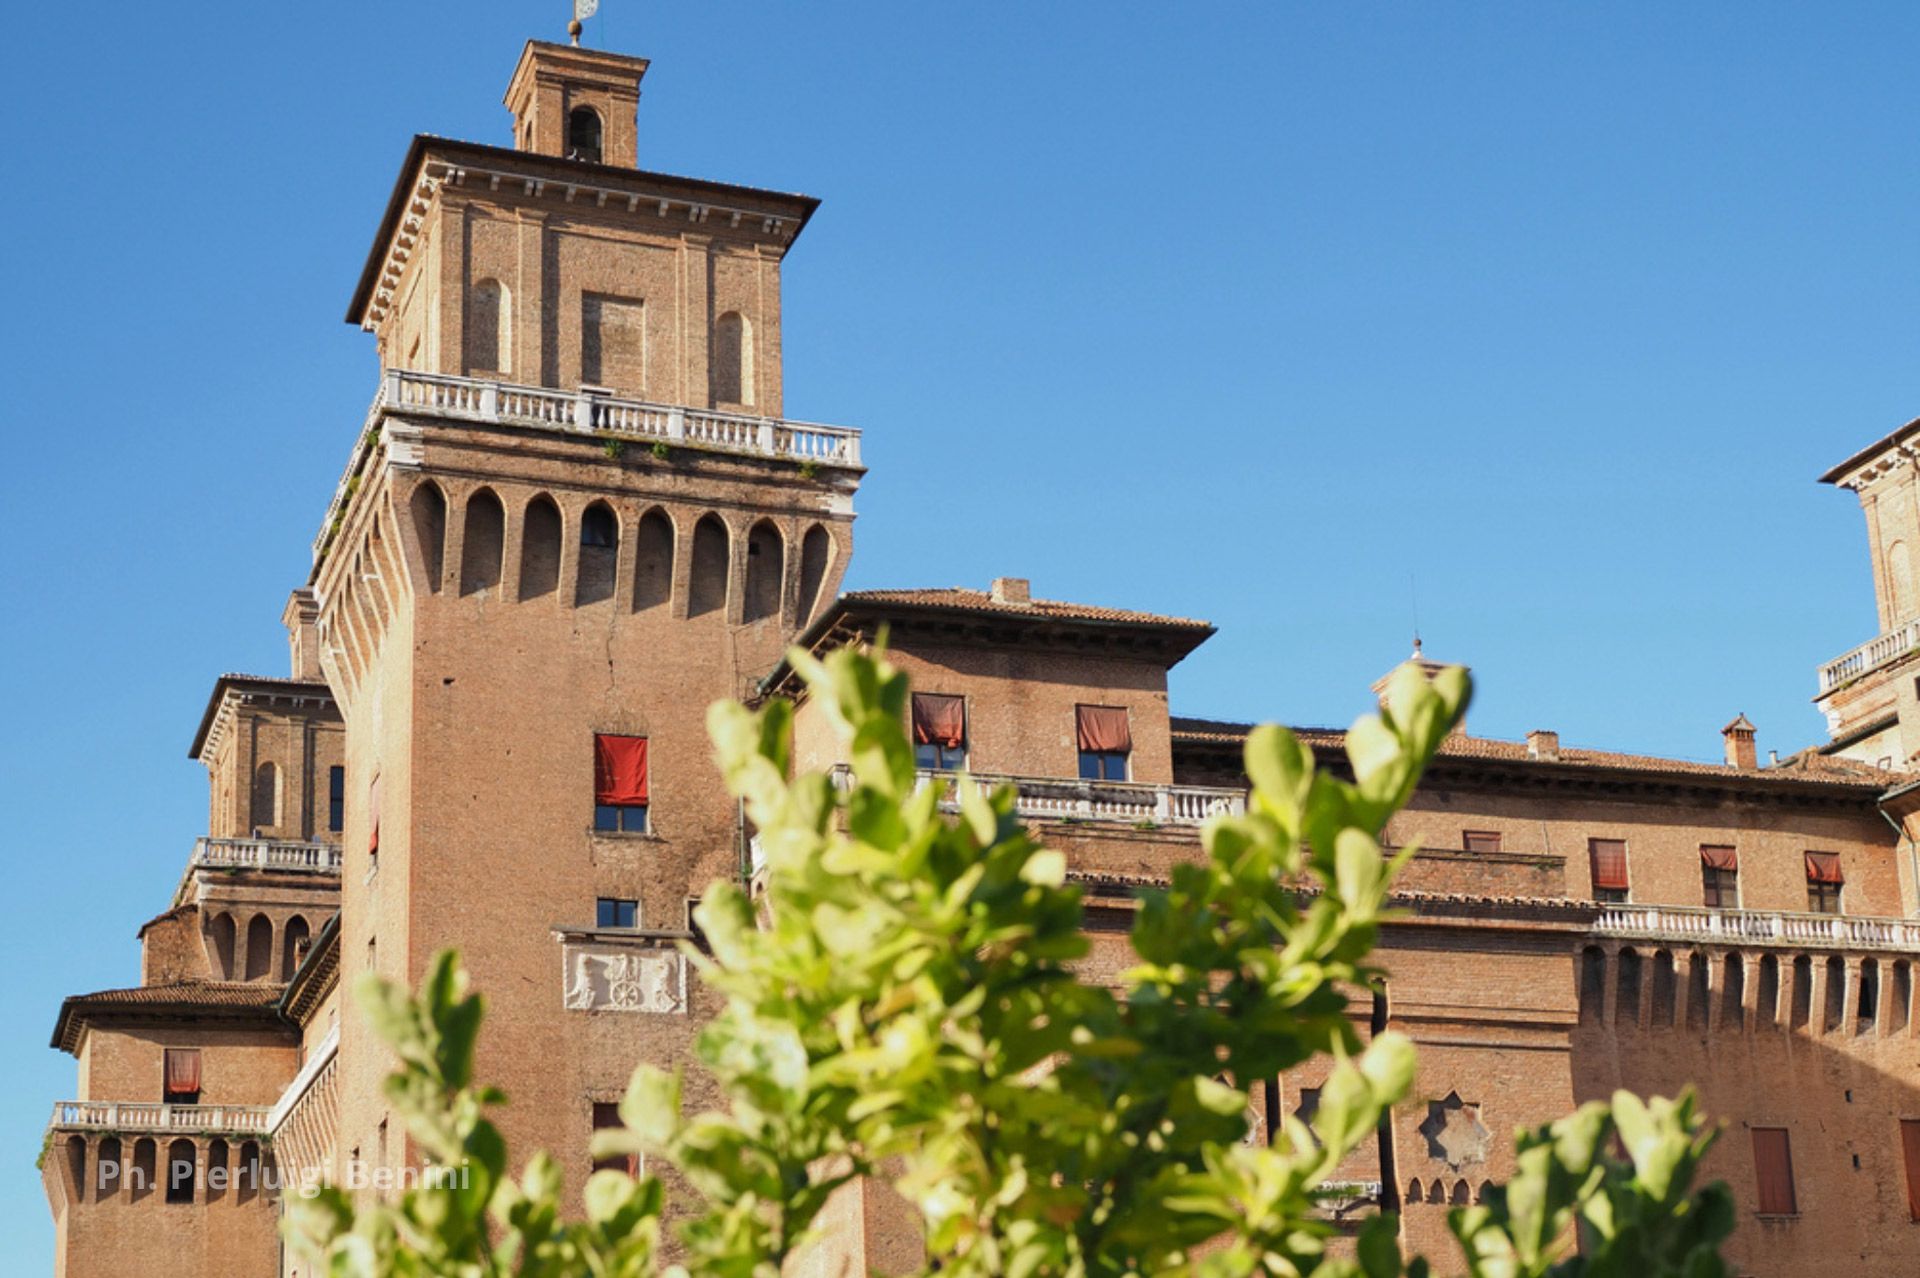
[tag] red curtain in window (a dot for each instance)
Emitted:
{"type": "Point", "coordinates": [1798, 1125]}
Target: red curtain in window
{"type": "Point", "coordinates": [373, 816]}
{"type": "Point", "coordinates": [1910, 1146]}
{"type": "Point", "coordinates": [620, 770]}
{"type": "Point", "coordinates": [1715, 858]}
{"type": "Point", "coordinates": [1773, 1171]}
{"type": "Point", "coordinates": [1609, 859]}
{"type": "Point", "coordinates": [1824, 867]}
{"type": "Point", "coordinates": [939, 720]}
{"type": "Point", "coordinates": [183, 1070]}
{"type": "Point", "coordinates": [1103, 729]}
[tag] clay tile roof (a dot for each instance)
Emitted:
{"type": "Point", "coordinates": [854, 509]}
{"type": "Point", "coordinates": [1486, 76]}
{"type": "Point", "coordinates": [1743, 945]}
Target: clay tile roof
{"type": "Point", "coordinates": [959, 599]}
{"type": "Point", "coordinates": [1806, 766]}
{"type": "Point", "coordinates": [247, 1000]}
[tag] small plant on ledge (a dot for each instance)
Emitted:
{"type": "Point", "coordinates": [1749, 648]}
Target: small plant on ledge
{"type": "Point", "coordinates": [809, 469]}
{"type": "Point", "coordinates": [615, 448]}
{"type": "Point", "coordinates": [660, 451]}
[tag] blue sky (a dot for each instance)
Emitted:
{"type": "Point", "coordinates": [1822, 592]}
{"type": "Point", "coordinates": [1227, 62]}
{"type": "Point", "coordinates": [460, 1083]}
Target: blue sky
{"type": "Point", "coordinates": [1275, 314]}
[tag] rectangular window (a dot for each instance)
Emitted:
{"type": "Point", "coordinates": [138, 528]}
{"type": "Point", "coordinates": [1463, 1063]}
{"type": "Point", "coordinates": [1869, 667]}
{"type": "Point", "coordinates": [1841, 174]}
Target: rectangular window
{"type": "Point", "coordinates": [615, 912]}
{"type": "Point", "coordinates": [1824, 882]}
{"type": "Point", "coordinates": [1773, 1171]}
{"type": "Point", "coordinates": [1607, 858]}
{"type": "Point", "coordinates": [336, 799]}
{"type": "Point", "coordinates": [1105, 739]}
{"type": "Point", "coordinates": [939, 731]}
{"type": "Point", "coordinates": [182, 1082]}
{"type": "Point", "coordinates": [620, 794]}
{"type": "Point", "coordinates": [1719, 877]}
{"type": "Point", "coordinates": [606, 1114]}
{"type": "Point", "coordinates": [1910, 1150]}
{"type": "Point", "coordinates": [1480, 841]}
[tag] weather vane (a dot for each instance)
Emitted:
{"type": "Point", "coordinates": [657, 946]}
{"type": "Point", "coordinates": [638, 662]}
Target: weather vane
{"type": "Point", "coordinates": [582, 10]}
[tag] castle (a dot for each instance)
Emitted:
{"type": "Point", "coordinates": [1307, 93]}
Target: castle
{"type": "Point", "coordinates": [576, 515]}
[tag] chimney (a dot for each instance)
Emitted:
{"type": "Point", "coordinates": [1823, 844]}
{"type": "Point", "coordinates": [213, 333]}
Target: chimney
{"type": "Point", "coordinates": [302, 618]}
{"type": "Point", "coordinates": [1542, 744]}
{"type": "Point", "coordinates": [1013, 590]}
{"type": "Point", "coordinates": [1740, 748]}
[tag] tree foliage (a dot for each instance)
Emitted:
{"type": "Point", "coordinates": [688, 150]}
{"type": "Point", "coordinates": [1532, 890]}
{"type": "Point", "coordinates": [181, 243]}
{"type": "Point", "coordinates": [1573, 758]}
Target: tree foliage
{"type": "Point", "coordinates": [901, 1002]}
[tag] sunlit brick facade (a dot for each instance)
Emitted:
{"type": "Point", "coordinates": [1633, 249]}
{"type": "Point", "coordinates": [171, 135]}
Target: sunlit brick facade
{"type": "Point", "coordinates": [575, 516]}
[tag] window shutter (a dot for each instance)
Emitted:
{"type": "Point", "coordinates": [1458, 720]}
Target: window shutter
{"type": "Point", "coordinates": [1609, 861]}
{"type": "Point", "coordinates": [1824, 867]}
{"type": "Point", "coordinates": [1773, 1171]}
{"type": "Point", "coordinates": [1910, 1146]}
{"type": "Point", "coordinates": [1103, 729]}
{"type": "Point", "coordinates": [1719, 858]}
{"type": "Point", "coordinates": [939, 720]}
{"type": "Point", "coordinates": [183, 1069]}
{"type": "Point", "coordinates": [620, 770]}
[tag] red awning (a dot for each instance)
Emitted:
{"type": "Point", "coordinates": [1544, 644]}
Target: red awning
{"type": "Point", "coordinates": [1609, 858]}
{"type": "Point", "coordinates": [1103, 729]}
{"type": "Point", "coordinates": [1824, 867]}
{"type": "Point", "coordinates": [1719, 858]}
{"type": "Point", "coordinates": [183, 1070]}
{"type": "Point", "coordinates": [939, 720]}
{"type": "Point", "coordinates": [620, 770]}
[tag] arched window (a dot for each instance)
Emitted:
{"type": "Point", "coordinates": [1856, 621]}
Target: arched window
{"type": "Point", "coordinates": [489, 329]}
{"type": "Point", "coordinates": [1733, 993]}
{"type": "Point", "coordinates": [816, 550]}
{"type": "Point", "coordinates": [766, 570]}
{"type": "Point", "coordinates": [1766, 1004]}
{"type": "Point", "coordinates": [540, 549]}
{"type": "Point", "coordinates": [430, 528]}
{"type": "Point", "coordinates": [77, 1167]}
{"type": "Point", "coordinates": [599, 554]}
{"type": "Point", "coordinates": [144, 1174]}
{"type": "Point", "coordinates": [1459, 1193]}
{"type": "Point", "coordinates": [1626, 1004]}
{"type": "Point", "coordinates": [224, 935]}
{"type": "Point", "coordinates": [108, 1171]}
{"type": "Point", "coordinates": [1664, 985]}
{"type": "Point", "coordinates": [293, 946]}
{"type": "Point", "coordinates": [181, 1171]}
{"type": "Point", "coordinates": [1413, 1190]}
{"type": "Point", "coordinates": [218, 1176]}
{"type": "Point", "coordinates": [247, 1175]}
{"type": "Point", "coordinates": [732, 360]}
{"type": "Point", "coordinates": [483, 544]}
{"type": "Point", "coordinates": [1698, 969]}
{"type": "Point", "coordinates": [259, 948]}
{"type": "Point", "coordinates": [583, 134]}
{"type": "Point", "coordinates": [707, 582]}
{"type": "Point", "coordinates": [266, 798]}
{"type": "Point", "coordinates": [1836, 1009]}
{"type": "Point", "coordinates": [1802, 992]}
{"type": "Point", "coordinates": [1869, 1008]}
{"type": "Point", "coordinates": [1593, 984]}
{"type": "Point", "coordinates": [652, 561]}
{"type": "Point", "coordinates": [1900, 1011]}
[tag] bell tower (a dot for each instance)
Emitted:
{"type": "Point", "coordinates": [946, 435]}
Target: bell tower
{"type": "Point", "coordinates": [576, 516]}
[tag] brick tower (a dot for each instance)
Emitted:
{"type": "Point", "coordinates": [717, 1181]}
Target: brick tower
{"type": "Point", "coordinates": [574, 519]}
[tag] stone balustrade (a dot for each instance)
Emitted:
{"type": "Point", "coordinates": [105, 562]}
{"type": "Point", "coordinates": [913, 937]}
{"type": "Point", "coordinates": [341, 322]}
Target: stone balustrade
{"type": "Point", "coordinates": [142, 1116]}
{"type": "Point", "coordinates": [266, 854]}
{"type": "Point", "coordinates": [1072, 799]}
{"type": "Point", "coordinates": [586, 412]}
{"type": "Point", "coordinates": [1689, 925]}
{"type": "Point", "coordinates": [1876, 652]}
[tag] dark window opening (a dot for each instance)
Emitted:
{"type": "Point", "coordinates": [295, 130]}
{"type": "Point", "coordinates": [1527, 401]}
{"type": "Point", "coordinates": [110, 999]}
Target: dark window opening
{"type": "Point", "coordinates": [336, 799]}
{"type": "Point", "coordinates": [616, 912]}
{"type": "Point", "coordinates": [606, 1115]}
{"type": "Point", "coordinates": [597, 527]}
{"type": "Point", "coordinates": [1720, 889]}
{"type": "Point", "coordinates": [620, 818]}
{"type": "Point", "coordinates": [583, 135]}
